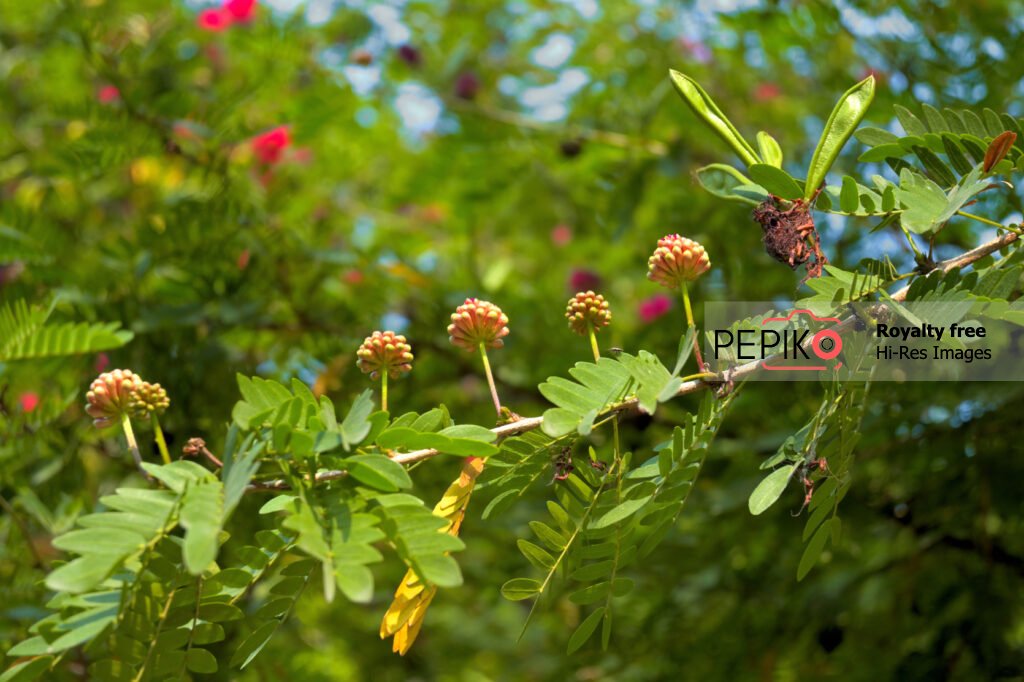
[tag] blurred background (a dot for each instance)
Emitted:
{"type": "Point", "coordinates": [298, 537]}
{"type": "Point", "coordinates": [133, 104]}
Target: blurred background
{"type": "Point", "coordinates": [255, 187]}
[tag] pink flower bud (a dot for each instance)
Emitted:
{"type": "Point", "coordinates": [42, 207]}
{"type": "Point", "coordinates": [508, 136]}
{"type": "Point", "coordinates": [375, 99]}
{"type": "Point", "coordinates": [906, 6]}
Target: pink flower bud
{"type": "Point", "coordinates": [475, 322]}
{"type": "Point", "coordinates": [109, 396]}
{"type": "Point", "coordinates": [587, 309]}
{"type": "Point", "coordinates": [385, 352]}
{"type": "Point", "coordinates": [215, 20]}
{"type": "Point", "coordinates": [148, 399]}
{"type": "Point", "coordinates": [677, 260]}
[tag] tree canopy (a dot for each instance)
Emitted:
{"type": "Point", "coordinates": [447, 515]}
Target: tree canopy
{"type": "Point", "coordinates": [228, 200]}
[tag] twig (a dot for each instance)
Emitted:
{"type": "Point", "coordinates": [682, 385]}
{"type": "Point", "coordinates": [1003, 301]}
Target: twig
{"type": "Point", "coordinates": [525, 424]}
{"type": "Point", "coordinates": [606, 137]}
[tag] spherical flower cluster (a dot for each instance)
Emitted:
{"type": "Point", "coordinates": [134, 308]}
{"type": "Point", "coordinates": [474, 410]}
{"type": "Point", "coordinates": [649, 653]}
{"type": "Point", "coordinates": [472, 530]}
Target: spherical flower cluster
{"type": "Point", "coordinates": [478, 322]}
{"type": "Point", "coordinates": [677, 260]}
{"type": "Point", "coordinates": [109, 396]}
{"type": "Point", "coordinates": [148, 399]}
{"type": "Point", "coordinates": [587, 309]}
{"type": "Point", "coordinates": [385, 352]}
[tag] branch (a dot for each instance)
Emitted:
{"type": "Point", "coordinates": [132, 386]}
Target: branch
{"type": "Point", "coordinates": [525, 424]}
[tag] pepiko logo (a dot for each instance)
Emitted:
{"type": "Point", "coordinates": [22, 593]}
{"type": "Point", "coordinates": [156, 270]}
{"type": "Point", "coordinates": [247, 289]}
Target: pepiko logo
{"type": "Point", "coordinates": [812, 347]}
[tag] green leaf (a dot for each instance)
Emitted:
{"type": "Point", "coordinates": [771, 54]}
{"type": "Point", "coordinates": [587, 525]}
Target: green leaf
{"type": "Point", "coordinates": [655, 383]}
{"type": "Point", "coordinates": [911, 124]}
{"type": "Point", "coordinates": [724, 182]}
{"type": "Point", "coordinates": [620, 512]}
{"type": "Point", "coordinates": [936, 123]}
{"type": "Point", "coordinates": [65, 338]}
{"type": "Point", "coordinates": [356, 424]}
{"type": "Point", "coordinates": [518, 589]}
{"type": "Point", "coordinates": [378, 471]}
{"type": "Point", "coordinates": [770, 489]}
{"type": "Point", "coordinates": [813, 551]}
{"type": "Point", "coordinates": [558, 422]}
{"type": "Point", "coordinates": [535, 555]}
{"type": "Point", "coordinates": [253, 644]}
{"type": "Point", "coordinates": [849, 196]}
{"type": "Point", "coordinates": [585, 630]}
{"type": "Point", "coordinates": [470, 432]}
{"type": "Point", "coordinates": [874, 137]}
{"type": "Point", "coordinates": [775, 180]}
{"type": "Point", "coordinates": [770, 150]}
{"type": "Point", "coordinates": [705, 108]}
{"type": "Point", "coordinates": [201, 514]}
{"type": "Point", "coordinates": [200, 661]}
{"type": "Point", "coordinates": [27, 670]}
{"type": "Point", "coordinates": [924, 200]}
{"type": "Point", "coordinates": [844, 119]}
{"type": "Point", "coordinates": [934, 166]}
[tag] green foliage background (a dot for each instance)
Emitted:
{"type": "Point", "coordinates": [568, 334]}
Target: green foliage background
{"type": "Point", "coordinates": [151, 211]}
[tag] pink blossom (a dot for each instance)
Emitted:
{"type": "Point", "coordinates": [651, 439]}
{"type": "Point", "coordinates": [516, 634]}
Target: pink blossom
{"type": "Point", "coordinates": [215, 20]}
{"type": "Point", "coordinates": [241, 10]}
{"type": "Point", "coordinates": [561, 235]}
{"type": "Point", "coordinates": [102, 362]}
{"type": "Point", "coordinates": [28, 401]}
{"type": "Point", "coordinates": [654, 307]}
{"type": "Point", "coordinates": [766, 92]}
{"type": "Point", "coordinates": [269, 146]}
{"type": "Point", "coordinates": [584, 280]}
{"type": "Point", "coordinates": [108, 94]}
{"type": "Point", "coordinates": [696, 49]}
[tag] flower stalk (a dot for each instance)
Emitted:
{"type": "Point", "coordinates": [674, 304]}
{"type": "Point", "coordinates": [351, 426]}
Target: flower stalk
{"type": "Point", "coordinates": [129, 436]}
{"type": "Point", "coordinates": [591, 332]}
{"type": "Point", "coordinates": [690, 324]}
{"type": "Point", "coordinates": [161, 443]}
{"type": "Point", "coordinates": [490, 379]}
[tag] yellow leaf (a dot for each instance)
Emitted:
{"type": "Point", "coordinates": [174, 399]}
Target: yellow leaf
{"type": "Point", "coordinates": [404, 617]}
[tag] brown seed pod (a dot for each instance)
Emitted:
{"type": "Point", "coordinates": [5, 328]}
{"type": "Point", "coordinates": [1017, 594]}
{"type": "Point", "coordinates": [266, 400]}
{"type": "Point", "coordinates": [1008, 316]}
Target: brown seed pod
{"type": "Point", "coordinates": [790, 235]}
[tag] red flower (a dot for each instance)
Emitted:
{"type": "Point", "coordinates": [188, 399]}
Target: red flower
{"type": "Point", "coordinates": [243, 259]}
{"type": "Point", "coordinates": [241, 10]}
{"type": "Point", "coordinates": [766, 92]}
{"type": "Point", "coordinates": [561, 235]}
{"type": "Point", "coordinates": [215, 20]}
{"type": "Point", "coordinates": [269, 146]}
{"type": "Point", "coordinates": [582, 280]}
{"type": "Point", "coordinates": [108, 94]}
{"type": "Point", "coordinates": [410, 55]}
{"type": "Point", "coordinates": [654, 307]}
{"type": "Point", "coordinates": [102, 362]}
{"type": "Point", "coordinates": [467, 85]}
{"type": "Point", "coordinates": [28, 401]}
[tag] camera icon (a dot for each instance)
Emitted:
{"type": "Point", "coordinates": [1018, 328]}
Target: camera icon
{"type": "Point", "coordinates": [801, 349]}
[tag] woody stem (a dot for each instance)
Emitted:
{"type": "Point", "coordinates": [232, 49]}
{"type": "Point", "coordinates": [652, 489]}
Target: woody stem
{"type": "Point", "coordinates": [490, 379]}
{"type": "Point", "coordinates": [691, 325]}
